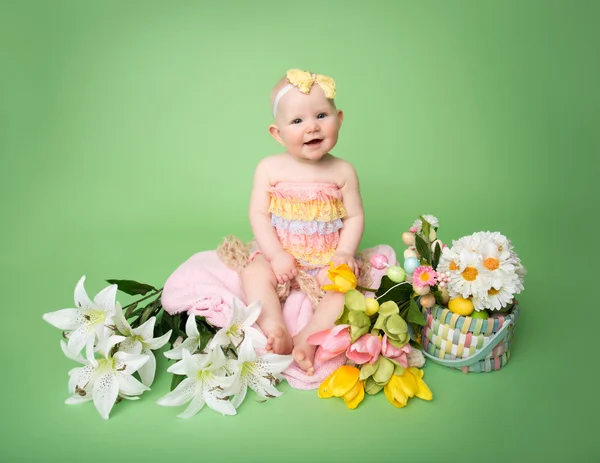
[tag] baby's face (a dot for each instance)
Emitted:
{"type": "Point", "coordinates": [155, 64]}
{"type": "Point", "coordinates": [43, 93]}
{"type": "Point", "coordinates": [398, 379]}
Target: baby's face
{"type": "Point", "coordinates": [308, 124]}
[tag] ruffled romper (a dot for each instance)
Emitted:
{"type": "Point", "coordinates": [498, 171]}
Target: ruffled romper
{"type": "Point", "coordinates": [307, 218]}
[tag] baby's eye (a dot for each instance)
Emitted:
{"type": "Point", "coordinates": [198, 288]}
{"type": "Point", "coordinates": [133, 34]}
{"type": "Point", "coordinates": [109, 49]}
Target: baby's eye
{"type": "Point", "coordinates": [296, 121]}
{"type": "Point", "coordinates": [321, 115]}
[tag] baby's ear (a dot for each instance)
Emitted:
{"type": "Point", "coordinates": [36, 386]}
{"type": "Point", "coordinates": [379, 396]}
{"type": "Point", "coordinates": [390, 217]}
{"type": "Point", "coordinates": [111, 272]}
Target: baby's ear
{"type": "Point", "coordinates": [274, 131]}
{"type": "Point", "coordinates": [340, 116]}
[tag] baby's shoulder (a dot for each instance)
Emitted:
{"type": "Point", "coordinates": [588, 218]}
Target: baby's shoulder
{"type": "Point", "coordinates": [341, 166]}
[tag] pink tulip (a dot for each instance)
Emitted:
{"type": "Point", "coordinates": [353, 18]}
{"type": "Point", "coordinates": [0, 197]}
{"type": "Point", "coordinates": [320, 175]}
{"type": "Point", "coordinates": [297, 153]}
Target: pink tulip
{"type": "Point", "coordinates": [394, 353]}
{"type": "Point", "coordinates": [365, 349]}
{"type": "Point", "coordinates": [331, 342]}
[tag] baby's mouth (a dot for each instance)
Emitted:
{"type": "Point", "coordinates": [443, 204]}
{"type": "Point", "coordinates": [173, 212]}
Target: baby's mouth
{"type": "Point", "coordinates": [314, 141]}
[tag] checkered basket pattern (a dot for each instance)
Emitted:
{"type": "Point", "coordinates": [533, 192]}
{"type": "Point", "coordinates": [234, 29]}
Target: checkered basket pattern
{"type": "Point", "coordinates": [466, 343]}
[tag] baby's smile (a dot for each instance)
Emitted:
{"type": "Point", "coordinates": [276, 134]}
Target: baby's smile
{"type": "Point", "coordinates": [314, 142]}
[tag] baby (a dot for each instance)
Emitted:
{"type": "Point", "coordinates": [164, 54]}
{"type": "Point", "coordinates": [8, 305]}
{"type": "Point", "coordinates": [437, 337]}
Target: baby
{"type": "Point", "coordinates": [305, 210]}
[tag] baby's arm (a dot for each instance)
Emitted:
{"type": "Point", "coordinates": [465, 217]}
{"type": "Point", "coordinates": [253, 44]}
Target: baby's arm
{"type": "Point", "coordinates": [282, 262]}
{"type": "Point", "coordinates": [352, 231]}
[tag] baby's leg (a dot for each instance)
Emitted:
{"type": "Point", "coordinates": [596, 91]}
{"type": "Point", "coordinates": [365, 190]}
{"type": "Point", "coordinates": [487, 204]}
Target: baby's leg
{"type": "Point", "coordinates": [259, 283]}
{"type": "Point", "coordinates": [326, 313]}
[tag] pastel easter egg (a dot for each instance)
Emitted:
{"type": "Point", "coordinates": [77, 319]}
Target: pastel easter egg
{"type": "Point", "coordinates": [410, 253]}
{"type": "Point", "coordinates": [410, 264]}
{"type": "Point", "coordinates": [480, 314]}
{"type": "Point", "coordinates": [379, 261]}
{"type": "Point", "coordinates": [396, 273]}
{"type": "Point", "coordinates": [408, 238]}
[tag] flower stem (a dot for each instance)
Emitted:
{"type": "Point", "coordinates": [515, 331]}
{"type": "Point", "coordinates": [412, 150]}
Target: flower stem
{"type": "Point", "coordinates": [366, 290]}
{"type": "Point", "coordinates": [144, 298]}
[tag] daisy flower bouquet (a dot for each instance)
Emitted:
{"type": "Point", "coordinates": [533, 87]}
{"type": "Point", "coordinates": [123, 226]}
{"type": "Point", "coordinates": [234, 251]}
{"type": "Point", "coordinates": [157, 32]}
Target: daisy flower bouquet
{"type": "Point", "coordinates": [213, 367]}
{"type": "Point", "coordinates": [466, 292]}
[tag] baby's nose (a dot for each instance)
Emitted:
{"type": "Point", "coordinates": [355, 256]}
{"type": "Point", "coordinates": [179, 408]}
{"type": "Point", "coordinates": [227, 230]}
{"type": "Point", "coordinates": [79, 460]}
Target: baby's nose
{"type": "Point", "coordinates": [314, 127]}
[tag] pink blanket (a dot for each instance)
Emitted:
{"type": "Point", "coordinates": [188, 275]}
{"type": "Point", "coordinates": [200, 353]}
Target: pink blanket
{"type": "Point", "coordinates": [206, 287]}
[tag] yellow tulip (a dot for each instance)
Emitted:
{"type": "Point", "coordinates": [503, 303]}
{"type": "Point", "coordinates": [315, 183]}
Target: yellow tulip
{"type": "Point", "coordinates": [400, 388]}
{"type": "Point", "coordinates": [343, 278]}
{"type": "Point", "coordinates": [344, 382]}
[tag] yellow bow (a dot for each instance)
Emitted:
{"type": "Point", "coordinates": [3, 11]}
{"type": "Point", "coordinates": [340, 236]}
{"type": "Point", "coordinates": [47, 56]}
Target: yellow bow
{"type": "Point", "coordinates": [304, 81]}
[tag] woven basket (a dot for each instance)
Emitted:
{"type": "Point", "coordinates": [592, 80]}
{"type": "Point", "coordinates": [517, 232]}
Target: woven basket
{"type": "Point", "coordinates": [465, 343]}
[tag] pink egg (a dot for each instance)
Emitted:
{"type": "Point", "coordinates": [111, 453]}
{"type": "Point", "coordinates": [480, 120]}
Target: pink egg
{"type": "Point", "coordinates": [379, 261]}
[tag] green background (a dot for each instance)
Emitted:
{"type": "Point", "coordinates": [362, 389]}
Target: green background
{"type": "Point", "coordinates": [129, 132]}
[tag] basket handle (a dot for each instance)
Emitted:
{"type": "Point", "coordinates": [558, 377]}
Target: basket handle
{"type": "Point", "coordinates": [463, 362]}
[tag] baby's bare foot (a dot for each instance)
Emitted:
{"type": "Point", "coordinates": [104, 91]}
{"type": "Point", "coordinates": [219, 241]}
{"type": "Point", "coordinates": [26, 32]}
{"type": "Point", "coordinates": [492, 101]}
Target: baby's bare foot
{"type": "Point", "coordinates": [304, 354]}
{"type": "Point", "coordinates": [279, 340]}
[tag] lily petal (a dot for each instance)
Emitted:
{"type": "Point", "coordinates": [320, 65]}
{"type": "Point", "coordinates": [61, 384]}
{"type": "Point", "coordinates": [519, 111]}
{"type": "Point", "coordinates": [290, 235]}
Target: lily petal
{"type": "Point", "coordinates": [148, 369]}
{"type": "Point", "coordinates": [130, 386]}
{"type": "Point", "coordinates": [80, 377]}
{"type": "Point", "coordinates": [191, 329]}
{"type": "Point", "coordinates": [262, 387]}
{"type": "Point", "coordinates": [157, 343]}
{"type": "Point", "coordinates": [105, 299]}
{"type": "Point", "coordinates": [106, 390]}
{"type": "Point", "coordinates": [222, 406]}
{"type": "Point", "coordinates": [180, 395]}
{"type": "Point", "coordinates": [252, 313]}
{"type": "Point", "coordinates": [145, 331]}
{"type": "Point", "coordinates": [194, 407]}
{"type": "Point", "coordinates": [239, 397]}
{"type": "Point", "coordinates": [131, 346]}
{"type": "Point", "coordinates": [129, 363]}
{"type": "Point", "coordinates": [246, 352]}
{"type": "Point", "coordinates": [82, 300]}
{"type": "Point", "coordinates": [64, 319]}
{"type": "Point", "coordinates": [77, 399]}
{"type": "Point", "coordinates": [120, 322]}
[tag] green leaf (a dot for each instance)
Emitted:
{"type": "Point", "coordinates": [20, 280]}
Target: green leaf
{"type": "Point", "coordinates": [205, 331]}
{"type": "Point", "coordinates": [423, 248]}
{"type": "Point", "coordinates": [355, 300]}
{"type": "Point", "coordinates": [436, 255]}
{"type": "Point", "coordinates": [176, 380]}
{"type": "Point", "coordinates": [399, 294]}
{"type": "Point", "coordinates": [133, 288]}
{"type": "Point", "coordinates": [425, 227]}
{"type": "Point", "coordinates": [130, 309]}
{"type": "Point", "coordinates": [414, 314]}
{"type": "Point", "coordinates": [150, 309]}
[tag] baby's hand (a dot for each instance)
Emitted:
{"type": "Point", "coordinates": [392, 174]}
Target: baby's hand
{"type": "Point", "coordinates": [284, 266]}
{"type": "Point", "coordinates": [340, 258]}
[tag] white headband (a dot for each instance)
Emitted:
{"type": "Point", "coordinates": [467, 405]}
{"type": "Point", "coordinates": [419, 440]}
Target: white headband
{"type": "Point", "coordinates": [279, 96]}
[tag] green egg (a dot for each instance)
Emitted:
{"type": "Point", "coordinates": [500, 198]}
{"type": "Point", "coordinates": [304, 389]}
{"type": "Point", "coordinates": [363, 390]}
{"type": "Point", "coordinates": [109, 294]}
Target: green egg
{"type": "Point", "coordinates": [481, 314]}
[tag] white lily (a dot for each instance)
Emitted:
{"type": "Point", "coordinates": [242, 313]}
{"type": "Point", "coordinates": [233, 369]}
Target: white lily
{"type": "Point", "coordinates": [140, 340]}
{"type": "Point", "coordinates": [191, 343]}
{"type": "Point", "coordinates": [240, 326]}
{"type": "Point", "coordinates": [204, 384]}
{"type": "Point", "coordinates": [106, 380]}
{"type": "Point", "coordinates": [87, 320]}
{"type": "Point", "coordinates": [257, 372]}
